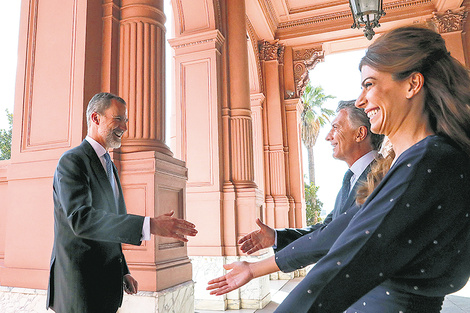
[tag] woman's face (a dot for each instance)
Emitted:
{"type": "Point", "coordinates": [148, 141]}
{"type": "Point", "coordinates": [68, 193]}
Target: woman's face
{"type": "Point", "coordinates": [383, 99]}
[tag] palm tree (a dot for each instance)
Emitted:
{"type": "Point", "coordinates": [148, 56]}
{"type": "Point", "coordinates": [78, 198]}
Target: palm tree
{"type": "Point", "coordinates": [313, 117]}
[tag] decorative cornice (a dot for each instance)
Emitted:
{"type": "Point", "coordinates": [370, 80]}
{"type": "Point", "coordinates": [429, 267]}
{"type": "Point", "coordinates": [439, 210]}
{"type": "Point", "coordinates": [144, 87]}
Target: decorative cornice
{"type": "Point", "coordinates": [313, 7]}
{"type": "Point", "coordinates": [211, 37]}
{"type": "Point", "coordinates": [269, 13]}
{"type": "Point", "coordinates": [315, 19]}
{"type": "Point", "coordinates": [271, 51]}
{"type": "Point", "coordinates": [400, 4]}
{"type": "Point", "coordinates": [346, 14]}
{"type": "Point", "coordinates": [450, 21]}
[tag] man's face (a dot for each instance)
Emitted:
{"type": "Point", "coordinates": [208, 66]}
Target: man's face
{"type": "Point", "coordinates": [112, 125]}
{"type": "Point", "coordinates": [342, 137]}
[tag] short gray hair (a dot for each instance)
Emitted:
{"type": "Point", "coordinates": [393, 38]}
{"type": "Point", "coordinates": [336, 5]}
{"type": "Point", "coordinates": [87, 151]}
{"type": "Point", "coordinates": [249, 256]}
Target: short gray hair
{"type": "Point", "coordinates": [99, 103]}
{"type": "Point", "coordinates": [357, 118]}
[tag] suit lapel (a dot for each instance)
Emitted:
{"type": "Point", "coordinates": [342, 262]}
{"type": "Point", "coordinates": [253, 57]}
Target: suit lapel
{"type": "Point", "coordinates": [352, 195]}
{"type": "Point", "coordinates": [100, 174]}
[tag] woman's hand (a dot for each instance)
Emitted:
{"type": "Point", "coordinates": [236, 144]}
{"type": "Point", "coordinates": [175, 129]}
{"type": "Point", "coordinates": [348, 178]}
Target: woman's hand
{"type": "Point", "coordinates": [240, 275]}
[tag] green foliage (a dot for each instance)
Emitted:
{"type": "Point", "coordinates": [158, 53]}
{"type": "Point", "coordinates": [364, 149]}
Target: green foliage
{"type": "Point", "coordinates": [5, 138]}
{"type": "Point", "coordinates": [313, 204]}
{"type": "Point", "coordinates": [314, 115]}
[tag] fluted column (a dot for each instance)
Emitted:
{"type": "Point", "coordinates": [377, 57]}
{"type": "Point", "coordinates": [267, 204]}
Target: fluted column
{"type": "Point", "coordinates": [142, 74]}
{"type": "Point", "coordinates": [241, 127]}
{"type": "Point", "coordinates": [239, 95]}
{"type": "Point", "coordinates": [272, 55]}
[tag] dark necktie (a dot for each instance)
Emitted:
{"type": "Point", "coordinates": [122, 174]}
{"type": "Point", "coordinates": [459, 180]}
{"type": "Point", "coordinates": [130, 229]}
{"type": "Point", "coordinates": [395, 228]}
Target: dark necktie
{"type": "Point", "coordinates": [346, 186]}
{"type": "Point", "coordinates": [110, 173]}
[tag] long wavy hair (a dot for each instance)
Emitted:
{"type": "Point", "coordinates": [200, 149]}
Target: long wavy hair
{"type": "Point", "coordinates": [408, 50]}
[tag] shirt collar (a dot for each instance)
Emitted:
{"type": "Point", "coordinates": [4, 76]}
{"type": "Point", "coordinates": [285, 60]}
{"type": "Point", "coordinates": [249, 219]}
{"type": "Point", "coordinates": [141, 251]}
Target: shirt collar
{"type": "Point", "coordinates": [360, 165]}
{"type": "Point", "coordinates": [99, 149]}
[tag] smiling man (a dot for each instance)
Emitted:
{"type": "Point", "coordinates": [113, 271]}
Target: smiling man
{"type": "Point", "coordinates": [88, 270]}
{"type": "Point", "coordinates": [352, 142]}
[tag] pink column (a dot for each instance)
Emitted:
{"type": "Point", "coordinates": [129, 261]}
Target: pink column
{"type": "Point", "coordinates": [241, 127]}
{"type": "Point", "coordinates": [293, 108]}
{"type": "Point", "coordinates": [272, 57]}
{"type": "Point", "coordinates": [153, 181]}
{"type": "Point", "coordinates": [296, 191]}
{"type": "Point", "coordinates": [141, 74]}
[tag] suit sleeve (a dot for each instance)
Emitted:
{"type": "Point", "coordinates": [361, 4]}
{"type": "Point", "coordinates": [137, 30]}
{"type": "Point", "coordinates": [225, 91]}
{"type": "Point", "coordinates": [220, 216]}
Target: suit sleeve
{"type": "Point", "coordinates": [72, 188]}
{"type": "Point", "coordinates": [417, 218]}
{"type": "Point", "coordinates": [310, 248]}
{"type": "Point", "coordinates": [288, 235]}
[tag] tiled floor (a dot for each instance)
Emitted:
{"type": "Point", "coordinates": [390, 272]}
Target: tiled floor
{"type": "Point", "coordinates": [458, 302]}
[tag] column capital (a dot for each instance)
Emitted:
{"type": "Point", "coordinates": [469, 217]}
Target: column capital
{"type": "Point", "coordinates": [450, 20]}
{"type": "Point", "coordinates": [269, 51]}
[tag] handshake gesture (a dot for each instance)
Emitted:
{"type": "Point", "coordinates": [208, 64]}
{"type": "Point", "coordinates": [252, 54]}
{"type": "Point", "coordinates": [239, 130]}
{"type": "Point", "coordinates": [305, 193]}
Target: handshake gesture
{"type": "Point", "coordinates": [262, 238]}
{"type": "Point", "coordinates": [243, 272]}
{"type": "Point", "coordinates": [166, 225]}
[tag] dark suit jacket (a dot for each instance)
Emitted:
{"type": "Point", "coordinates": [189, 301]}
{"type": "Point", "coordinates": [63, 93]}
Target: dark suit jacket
{"type": "Point", "coordinates": [411, 238]}
{"type": "Point", "coordinates": [288, 235]}
{"type": "Point", "coordinates": [87, 263]}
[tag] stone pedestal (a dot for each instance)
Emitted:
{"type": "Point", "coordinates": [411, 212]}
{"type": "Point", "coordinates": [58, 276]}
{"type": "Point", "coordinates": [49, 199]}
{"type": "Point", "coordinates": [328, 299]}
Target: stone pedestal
{"type": "Point", "coordinates": [153, 184]}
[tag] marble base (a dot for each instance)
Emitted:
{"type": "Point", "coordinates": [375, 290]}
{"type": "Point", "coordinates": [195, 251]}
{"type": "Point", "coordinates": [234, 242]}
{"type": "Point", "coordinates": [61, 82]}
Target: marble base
{"type": "Point", "coordinates": [178, 299]}
{"type": "Point", "coordinates": [254, 295]}
{"type": "Point", "coordinates": [14, 300]}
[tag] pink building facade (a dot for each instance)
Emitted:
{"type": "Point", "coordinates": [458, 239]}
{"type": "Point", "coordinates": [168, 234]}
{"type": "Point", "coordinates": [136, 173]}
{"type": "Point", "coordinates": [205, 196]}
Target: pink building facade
{"type": "Point", "coordinates": [240, 67]}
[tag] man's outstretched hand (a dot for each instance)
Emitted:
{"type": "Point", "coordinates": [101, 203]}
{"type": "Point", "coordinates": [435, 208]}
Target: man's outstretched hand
{"type": "Point", "coordinates": [166, 225]}
{"type": "Point", "coordinates": [259, 239]}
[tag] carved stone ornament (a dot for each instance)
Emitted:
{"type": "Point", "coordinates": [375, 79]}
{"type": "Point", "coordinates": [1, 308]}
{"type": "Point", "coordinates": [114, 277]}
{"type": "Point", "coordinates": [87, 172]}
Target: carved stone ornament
{"type": "Point", "coordinates": [450, 21]}
{"type": "Point", "coordinates": [271, 51]}
{"type": "Point", "coordinates": [305, 60]}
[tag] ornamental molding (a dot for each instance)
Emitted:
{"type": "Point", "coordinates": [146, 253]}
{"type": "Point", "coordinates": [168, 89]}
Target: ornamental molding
{"type": "Point", "coordinates": [346, 14]}
{"type": "Point", "coordinates": [305, 54]}
{"type": "Point", "coordinates": [269, 51]}
{"type": "Point", "coordinates": [304, 61]}
{"type": "Point", "coordinates": [213, 37]}
{"type": "Point", "coordinates": [253, 37]}
{"type": "Point", "coordinates": [315, 19]}
{"type": "Point", "coordinates": [450, 21]}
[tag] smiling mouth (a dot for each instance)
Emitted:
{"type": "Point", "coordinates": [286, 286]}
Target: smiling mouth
{"type": "Point", "coordinates": [372, 113]}
{"type": "Point", "coordinates": [118, 133]}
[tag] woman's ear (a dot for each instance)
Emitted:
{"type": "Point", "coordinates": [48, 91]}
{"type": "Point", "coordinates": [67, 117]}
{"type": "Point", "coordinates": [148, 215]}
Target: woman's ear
{"type": "Point", "coordinates": [415, 84]}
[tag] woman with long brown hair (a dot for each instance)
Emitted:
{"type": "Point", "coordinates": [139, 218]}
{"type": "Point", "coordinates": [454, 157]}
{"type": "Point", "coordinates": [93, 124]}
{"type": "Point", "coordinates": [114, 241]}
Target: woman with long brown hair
{"type": "Point", "coordinates": [409, 244]}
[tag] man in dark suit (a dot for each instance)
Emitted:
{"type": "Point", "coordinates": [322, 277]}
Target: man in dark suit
{"type": "Point", "coordinates": [88, 269]}
{"type": "Point", "coordinates": [353, 143]}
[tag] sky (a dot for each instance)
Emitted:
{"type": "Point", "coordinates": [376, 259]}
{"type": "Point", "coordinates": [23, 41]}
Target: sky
{"type": "Point", "coordinates": [338, 75]}
{"type": "Point", "coordinates": [9, 28]}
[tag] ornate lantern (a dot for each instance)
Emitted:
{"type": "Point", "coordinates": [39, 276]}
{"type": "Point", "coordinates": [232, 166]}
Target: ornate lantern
{"type": "Point", "coordinates": [366, 13]}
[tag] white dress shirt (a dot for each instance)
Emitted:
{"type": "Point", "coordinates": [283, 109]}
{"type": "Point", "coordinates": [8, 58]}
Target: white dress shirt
{"type": "Point", "coordinates": [100, 152]}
